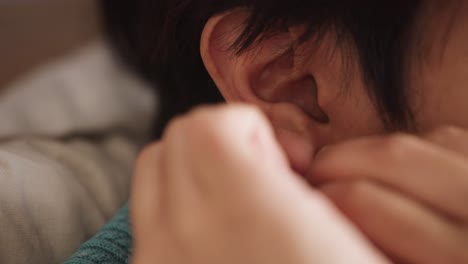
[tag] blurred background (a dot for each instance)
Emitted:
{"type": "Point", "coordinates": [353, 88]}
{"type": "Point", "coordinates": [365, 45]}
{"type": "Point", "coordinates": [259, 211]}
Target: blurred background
{"type": "Point", "coordinates": [33, 32]}
{"type": "Point", "coordinates": [73, 117]}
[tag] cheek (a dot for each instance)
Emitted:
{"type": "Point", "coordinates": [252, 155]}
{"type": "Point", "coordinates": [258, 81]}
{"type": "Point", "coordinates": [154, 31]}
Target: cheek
{"type": "Point", "coordinates": [438, 76]}
{"type": "Point", "coordinates": [355, 113]}
{"type": "Point", "coordinates": [354, 116]}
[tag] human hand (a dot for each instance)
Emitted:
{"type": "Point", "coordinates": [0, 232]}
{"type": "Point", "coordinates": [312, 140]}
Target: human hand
{"type": "Point", "coordinates": [218, 189]}
{"type": "Point", "coordinates": [408, 194]}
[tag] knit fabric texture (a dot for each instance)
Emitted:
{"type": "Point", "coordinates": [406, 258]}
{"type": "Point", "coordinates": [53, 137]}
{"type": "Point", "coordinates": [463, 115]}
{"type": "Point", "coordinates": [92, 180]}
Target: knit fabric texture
{"type": "Point", "coordinates": [112, 245]}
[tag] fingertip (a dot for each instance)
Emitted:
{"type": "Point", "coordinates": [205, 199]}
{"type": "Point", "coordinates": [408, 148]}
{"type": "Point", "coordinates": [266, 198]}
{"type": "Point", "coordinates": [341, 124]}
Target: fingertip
{"type": "Point", "coordinates": [334, 161]}
{"type": "Point", "coordinates": [321, 169]}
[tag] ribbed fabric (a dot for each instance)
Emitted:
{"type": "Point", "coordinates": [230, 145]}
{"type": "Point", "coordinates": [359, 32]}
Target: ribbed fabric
{"type": "Point", "coordinates": [70, 131]}
{"type": "Point", "coordinates": [112, 245]}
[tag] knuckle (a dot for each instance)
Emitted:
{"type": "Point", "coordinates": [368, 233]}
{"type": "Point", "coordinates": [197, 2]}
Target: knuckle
{"type": "Point", "coordinates": [446, 132]}
{"type": "Point", "coordinates": [213, 128]}
{"type": "Point", "coordinates": [202, 111]}
{"type": "Point", "coordinates": [399, 146]}
{"type": "Point", "coordinates": [227, 114]}
{"type": "Point", "coordinates": [217, 123]}
{"type": "Point", "coordinates": [359, 199]}
{"type": "Point", "coordinates": [352, 196]}
{"type": "Point", "coordinates": [175, 126]}
{"type": "Point", "coordinates": [356, 192]}
{"type": "Point", "coordinates": [203, 126]}
{"type": "Point", "coordinates": [145, 163]}
{"type": "Point", "coordinates": [147, 154]}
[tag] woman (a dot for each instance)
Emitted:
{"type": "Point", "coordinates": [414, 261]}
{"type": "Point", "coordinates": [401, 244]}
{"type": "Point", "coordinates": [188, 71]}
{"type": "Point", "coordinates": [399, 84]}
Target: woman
{"type": "Point", "coordinates": [356, 150]}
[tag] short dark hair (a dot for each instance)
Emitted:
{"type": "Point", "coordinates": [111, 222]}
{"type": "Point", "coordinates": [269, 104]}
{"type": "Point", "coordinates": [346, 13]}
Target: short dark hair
{"type": "Point", "coordinates": [160, 38]}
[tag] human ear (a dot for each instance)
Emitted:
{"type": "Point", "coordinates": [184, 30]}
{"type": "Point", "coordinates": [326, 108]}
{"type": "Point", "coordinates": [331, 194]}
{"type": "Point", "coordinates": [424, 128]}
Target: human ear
{"type": "Point", "coordinates": [269, 76]}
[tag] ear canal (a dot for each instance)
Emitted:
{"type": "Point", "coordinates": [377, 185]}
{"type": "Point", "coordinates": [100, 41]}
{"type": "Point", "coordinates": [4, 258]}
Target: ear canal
{"type": "Point", "coordinates": [279, 82]}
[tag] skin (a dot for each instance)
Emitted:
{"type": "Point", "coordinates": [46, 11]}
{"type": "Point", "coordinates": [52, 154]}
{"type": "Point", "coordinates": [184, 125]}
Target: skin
{"type": "Point", "coordinates": [220, 206]}
{"type": "Point", "coordinates": [272, 183]}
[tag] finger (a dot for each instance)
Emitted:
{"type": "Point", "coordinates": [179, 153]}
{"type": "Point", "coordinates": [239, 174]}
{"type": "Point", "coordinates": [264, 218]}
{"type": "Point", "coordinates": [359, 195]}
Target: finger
{"type": "Point", "coordinates": [451, 138]}
{"type": "Point", "coordinates": [180, 180]}
{"type": "Point", "coordinates": [214, 167]}
{"type": "Point", "coordinates": [185, 195]}
{"type": "Point", "coordinates": [147, 191]}
{"type": "Point", "coordinates": [243, 163]}
{"type": "Point", "coordinates": [402, 228]}
{"type": "Point", "coordinates": [235, 170]}
{"type": "Point", "coordinates": [426, 172]}
{"type": "Point", "coordinates": [239, 150]}
{"type": "Point", "coordinates": [149, 210]}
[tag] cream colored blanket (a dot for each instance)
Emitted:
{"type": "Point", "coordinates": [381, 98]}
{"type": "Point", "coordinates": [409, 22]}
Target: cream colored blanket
{"type": "Point", "coordinates": [69, 133]}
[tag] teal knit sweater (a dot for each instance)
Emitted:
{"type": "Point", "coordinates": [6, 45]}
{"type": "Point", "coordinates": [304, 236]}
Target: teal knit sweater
{"type": "Point", "coordinates": [112, 245]}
